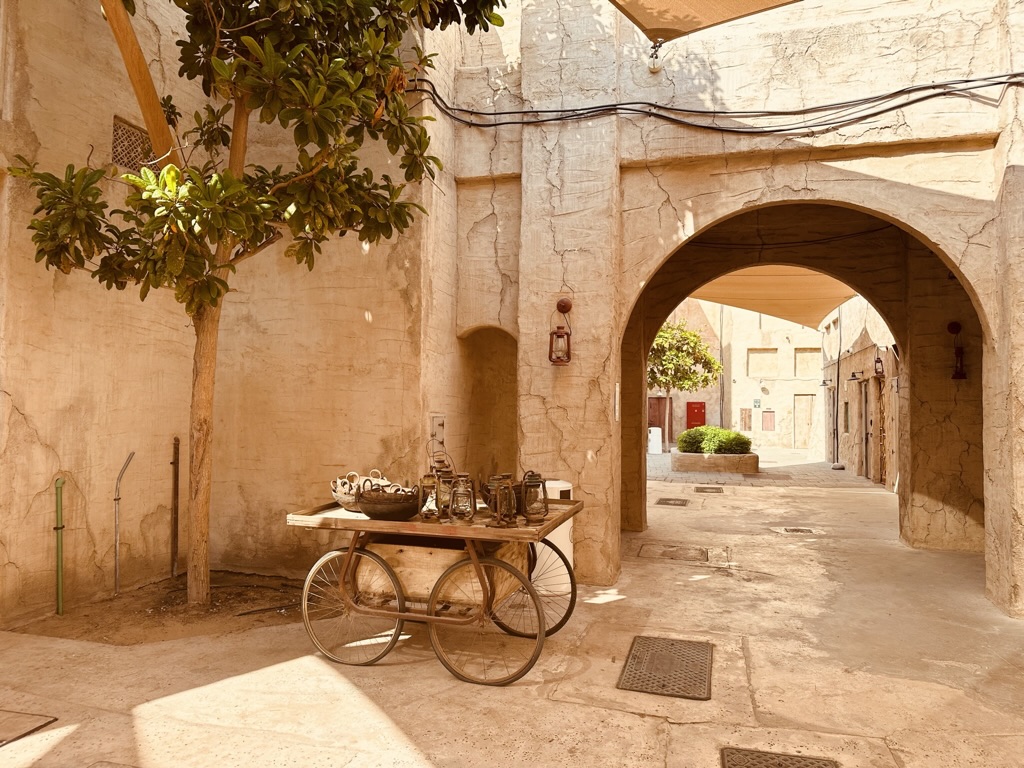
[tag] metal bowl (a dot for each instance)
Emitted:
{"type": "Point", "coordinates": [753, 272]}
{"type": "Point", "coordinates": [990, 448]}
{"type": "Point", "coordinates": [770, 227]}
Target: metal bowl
{"type": "Point", "coordinates": [388, 505]}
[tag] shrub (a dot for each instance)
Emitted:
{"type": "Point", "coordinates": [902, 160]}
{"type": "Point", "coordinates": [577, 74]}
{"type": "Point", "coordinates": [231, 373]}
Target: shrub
{"type": "Point", "coordinates": [713, 440]}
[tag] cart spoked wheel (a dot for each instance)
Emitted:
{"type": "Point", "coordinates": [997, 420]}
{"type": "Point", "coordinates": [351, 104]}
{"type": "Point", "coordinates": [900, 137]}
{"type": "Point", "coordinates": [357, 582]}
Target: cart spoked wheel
{"type": "Point", "coordinates": [553, 579]}
{"type": "Point", "coordinates": [478, 650]}
{"type": "Point", "coordinates": [336, 626]}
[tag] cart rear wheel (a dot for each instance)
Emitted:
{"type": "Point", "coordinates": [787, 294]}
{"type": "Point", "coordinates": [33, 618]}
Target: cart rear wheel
{"type": "Point", "coordinates": [478, 651]}
{"type": "Point", "coordinates": [335, 626]}
{"type": "Point", "coordinates": [552, 577]}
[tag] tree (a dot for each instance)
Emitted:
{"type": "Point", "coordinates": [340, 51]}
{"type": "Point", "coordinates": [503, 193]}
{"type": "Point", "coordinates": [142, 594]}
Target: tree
{"type": "Point", "coordinates": [680, 359]}
{"type": "Point", "coordinates": [331, 73]}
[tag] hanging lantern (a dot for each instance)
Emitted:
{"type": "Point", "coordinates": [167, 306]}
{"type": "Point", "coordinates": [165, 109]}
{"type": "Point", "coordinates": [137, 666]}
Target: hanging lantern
{"type": "Point", "coordinates": [462, 505]}
{"type": "Point", "coordinates": [560, 341]}
{"type": "Point", "coordinates": [502, 501]}
{"type": "Point", "coordinates": [959, 372]}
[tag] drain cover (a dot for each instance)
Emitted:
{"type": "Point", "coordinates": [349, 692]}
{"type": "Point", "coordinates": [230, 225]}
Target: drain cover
{"type": "Point", "coordinates": [749, 758]}
{"type": "Point", "coordinates": [675, 552]}
{"type": "Point", "coordinates": [680, 668]}
{"type": "Point", "coordinates": [672, 502]}
{"type": "Point", "coordinates": [707, 489]}
{"type": "Point", "coordinates": [798, 530]}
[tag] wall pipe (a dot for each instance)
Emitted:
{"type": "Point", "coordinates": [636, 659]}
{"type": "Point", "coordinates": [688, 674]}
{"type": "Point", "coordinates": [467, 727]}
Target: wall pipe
{"type": "Point", "coordinates": [117, 525]}
{"type": "Point", "coordinates": [59, 528]}
{"type": "Point", "coordinates": [175, 464]}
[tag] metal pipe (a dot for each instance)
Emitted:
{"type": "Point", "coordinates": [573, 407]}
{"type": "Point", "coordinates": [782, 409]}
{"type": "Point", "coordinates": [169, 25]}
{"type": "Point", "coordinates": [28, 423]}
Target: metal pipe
{"type": "Point", "coordinates": [117, 525]}
{"type": "Point", "coordinates": [59, 528]}
{"type": "Point", "coordinates": [175, 463]}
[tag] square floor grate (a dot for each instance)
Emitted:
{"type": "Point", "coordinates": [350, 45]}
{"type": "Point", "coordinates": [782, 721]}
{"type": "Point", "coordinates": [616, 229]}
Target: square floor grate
{"type": "Point", "coordinates": [680, 668]}
{"type": "Point", "coordinates": [675, 552]}
{"type": "Point", "coordinates": [14, 725]}
{"type": "Point", "coordinates": [671, 502]}
{"type": "Point", "coordinates": [750, 758]}
{"type": "Point", "coordinates": [707, 489]}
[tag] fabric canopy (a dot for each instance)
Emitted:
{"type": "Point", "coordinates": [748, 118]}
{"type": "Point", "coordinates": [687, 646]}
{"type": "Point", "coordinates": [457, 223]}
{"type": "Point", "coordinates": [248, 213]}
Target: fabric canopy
{"type": "Point", "coordinates": [666, 20]}
{"type": "Point", "coordinates": [791, 293]}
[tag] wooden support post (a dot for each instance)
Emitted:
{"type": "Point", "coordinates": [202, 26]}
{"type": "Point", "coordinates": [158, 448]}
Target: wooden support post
{"type": "Point", "coordinates": [142, 82]}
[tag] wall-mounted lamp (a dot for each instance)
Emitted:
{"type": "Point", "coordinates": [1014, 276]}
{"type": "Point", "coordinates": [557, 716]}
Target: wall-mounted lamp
{"type": "Point", "coordinates": [855, 375]}
{"type": "Point", "coordinates": [826, 383]}
{"type": "Point", "coordinates": [654, 62]}
{"type": "Point", "coordinates": [560, 341]}
{"type": "Point", "coordinates": [954, 329]}
{"type": "Point", "coordinates": [879, 367]}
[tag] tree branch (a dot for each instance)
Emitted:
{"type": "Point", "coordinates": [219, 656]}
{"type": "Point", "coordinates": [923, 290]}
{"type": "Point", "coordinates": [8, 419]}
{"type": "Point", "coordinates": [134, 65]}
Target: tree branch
{"type": "Point", "coordinates": [240, 257]}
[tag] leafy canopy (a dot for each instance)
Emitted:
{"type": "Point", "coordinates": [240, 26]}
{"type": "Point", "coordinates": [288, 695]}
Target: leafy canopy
{"type": "Point", "coordinates": [680, 359]}
{"type": "Point", "coordinates": [330, 74]}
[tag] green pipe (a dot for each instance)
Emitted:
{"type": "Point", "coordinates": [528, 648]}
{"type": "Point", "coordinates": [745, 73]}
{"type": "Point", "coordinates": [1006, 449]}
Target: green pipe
{"type": "Point", "coordinates": [60, 545]}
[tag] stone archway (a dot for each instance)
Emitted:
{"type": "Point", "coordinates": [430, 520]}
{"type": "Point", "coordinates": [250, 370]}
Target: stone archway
{"type": "Point", "coordinates": [942, 486]}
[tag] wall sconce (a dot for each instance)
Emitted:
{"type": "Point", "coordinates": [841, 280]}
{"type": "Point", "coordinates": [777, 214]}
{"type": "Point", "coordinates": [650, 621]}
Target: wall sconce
{"type": "Point", "coordinates": [855, 375]}
{"type": "Point", "coordinates": [958, 351]}
{"type": "Point", "coordinates": [560, 341]}
{"type": "Point", "coordinates": [879, 367]}
{"type": "Point", "coordinates": [826, 383]}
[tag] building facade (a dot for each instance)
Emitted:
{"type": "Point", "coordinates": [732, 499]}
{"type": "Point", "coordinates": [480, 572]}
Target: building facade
{"type": "Point", "coordinates": [913, 202]}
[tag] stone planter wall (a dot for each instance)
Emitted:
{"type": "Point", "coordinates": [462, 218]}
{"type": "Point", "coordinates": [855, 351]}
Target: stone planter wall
{"type": "Point", "coordinates": [715, 462]}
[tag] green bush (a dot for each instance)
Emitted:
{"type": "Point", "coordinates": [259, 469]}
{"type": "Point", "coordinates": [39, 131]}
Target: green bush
{"type": "Point", "coordinates": [713, 440]}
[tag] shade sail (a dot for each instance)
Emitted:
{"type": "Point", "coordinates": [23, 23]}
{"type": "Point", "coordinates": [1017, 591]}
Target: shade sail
{"type": "Point", "coordinates": [791, 293]}
{"type": "Point", "coordinates": [668, 19]}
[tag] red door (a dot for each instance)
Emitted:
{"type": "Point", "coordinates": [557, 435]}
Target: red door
{"type": "Point", "coordinates": [695, 414]}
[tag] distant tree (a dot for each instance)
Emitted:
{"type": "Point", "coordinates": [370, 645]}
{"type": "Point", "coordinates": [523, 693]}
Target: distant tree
{"type": "Point", "coordinates": [680, 360]}
{"type": "Point", "coordinates": [331, 74]}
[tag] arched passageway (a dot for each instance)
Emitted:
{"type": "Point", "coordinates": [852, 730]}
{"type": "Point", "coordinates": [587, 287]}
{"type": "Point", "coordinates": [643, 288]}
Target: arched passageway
{"type": "Point", "coordinates": [940, 464]}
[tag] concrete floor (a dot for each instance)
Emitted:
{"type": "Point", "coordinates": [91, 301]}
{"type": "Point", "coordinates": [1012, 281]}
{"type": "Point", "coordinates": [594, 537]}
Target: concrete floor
{"type": "Point", "coordinates": [842, 644]}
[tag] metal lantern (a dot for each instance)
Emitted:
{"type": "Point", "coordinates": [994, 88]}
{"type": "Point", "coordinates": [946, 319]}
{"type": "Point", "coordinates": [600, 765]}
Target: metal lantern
{"type": "Point", "coordinates": [502, 501]}
{"type": "Point", "coordinates": [462, 504]}
{"type": "Point", "coordinates": [560, 346]}
{"type": "Point", "coordinates": [445, 482]}
{"type": "Point", "coordinates": [429, 511]}
{"type": "Point", "coordinates": [535, 498]}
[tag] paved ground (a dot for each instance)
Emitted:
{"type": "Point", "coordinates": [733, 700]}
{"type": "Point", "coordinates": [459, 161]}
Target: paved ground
{"type": "Point", "coordinates": [840, 643]}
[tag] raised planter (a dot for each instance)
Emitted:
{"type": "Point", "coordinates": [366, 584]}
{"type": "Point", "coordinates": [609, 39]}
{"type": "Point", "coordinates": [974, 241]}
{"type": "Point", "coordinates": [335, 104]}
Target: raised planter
{"type": "Point", "coordinates": [745, 463]}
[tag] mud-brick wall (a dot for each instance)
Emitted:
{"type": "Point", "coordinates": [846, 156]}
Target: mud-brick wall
{"type": "Point", "coordinates": [86, 376]}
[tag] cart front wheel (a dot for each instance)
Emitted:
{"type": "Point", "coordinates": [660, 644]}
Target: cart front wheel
{"type": "Point", "coordinates": [478, 651]}
{"type": "Point", "coordinates": [335, 624]}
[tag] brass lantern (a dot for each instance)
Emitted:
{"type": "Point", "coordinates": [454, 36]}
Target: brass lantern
{"type": "Point", "coordinates": [462, 505]}
{"type": "Point", "coordinates": [560, 341]}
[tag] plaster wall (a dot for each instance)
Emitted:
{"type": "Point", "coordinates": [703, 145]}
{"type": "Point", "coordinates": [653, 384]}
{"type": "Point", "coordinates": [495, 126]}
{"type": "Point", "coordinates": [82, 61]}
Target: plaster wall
{"type": "Point", "coordinates": [86, 376]}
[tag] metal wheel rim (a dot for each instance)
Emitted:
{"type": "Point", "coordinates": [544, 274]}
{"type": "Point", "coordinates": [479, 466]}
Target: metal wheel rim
{"type": "Point", "coordinates": [555, 583]}
{"type": "Point", "coordinates": [339, 634]}
{"type": "Point", "coordinates": [481, 652]}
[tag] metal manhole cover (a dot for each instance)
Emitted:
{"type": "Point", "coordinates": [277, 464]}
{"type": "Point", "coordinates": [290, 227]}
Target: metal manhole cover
{"type": "Point", "coordinates": [671, 502]}
{"type": "Point", "coordinates": [680, 668]}
{"type": "Point", "coordinates": [750, 758]}
{"type": "Point", "coordinates": [707, 489]}
{"type": "Point", "coordinates": [675, 552]}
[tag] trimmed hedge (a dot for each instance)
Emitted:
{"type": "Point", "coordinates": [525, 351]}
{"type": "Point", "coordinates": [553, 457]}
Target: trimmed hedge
{"type": "Point", "coordinates": [709, 439]}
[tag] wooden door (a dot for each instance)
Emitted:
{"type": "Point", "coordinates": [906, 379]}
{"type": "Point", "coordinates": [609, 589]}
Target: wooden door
{"type": "Point", "coordinates": [656, 417]}
{"type": "Point", "coordinates": [803, 416]}
{"type": "Point", "coordinates": [696, 414]}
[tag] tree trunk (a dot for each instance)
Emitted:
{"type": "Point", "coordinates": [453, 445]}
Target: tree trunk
{"type": "Point", "coordinates": [204, 368]}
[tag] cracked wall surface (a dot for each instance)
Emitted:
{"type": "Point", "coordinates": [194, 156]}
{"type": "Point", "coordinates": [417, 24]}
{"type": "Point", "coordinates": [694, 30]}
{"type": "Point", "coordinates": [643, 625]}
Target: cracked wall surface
{"type": "Point", "coordinates": [341, 369]}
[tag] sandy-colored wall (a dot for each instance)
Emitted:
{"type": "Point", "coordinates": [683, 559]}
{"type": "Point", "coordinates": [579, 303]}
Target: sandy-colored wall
{"type": "Point", "coordinates": [86, 376]}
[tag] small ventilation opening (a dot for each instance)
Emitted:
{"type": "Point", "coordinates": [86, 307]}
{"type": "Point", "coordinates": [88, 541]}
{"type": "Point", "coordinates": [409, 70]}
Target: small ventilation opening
{"type": "Point", "coordinates": [130, 147]}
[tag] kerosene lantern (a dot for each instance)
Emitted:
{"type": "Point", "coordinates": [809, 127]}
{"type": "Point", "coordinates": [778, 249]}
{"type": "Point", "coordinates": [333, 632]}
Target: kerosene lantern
{"type": "Point", "coordinates": [462, 505]}
{"type": "Point", "coordinates": [535, 498]}
{"type": "Point", "coordinates": [502, 501]}
{"type": "Point", "coordinates": [429, 512]}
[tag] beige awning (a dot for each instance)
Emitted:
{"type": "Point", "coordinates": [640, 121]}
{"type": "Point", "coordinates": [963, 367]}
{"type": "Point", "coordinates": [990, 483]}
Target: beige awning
{"type": "Point", "coordinates": [668, 19]}
{"type": "Point", "coordinates": [791, 293]}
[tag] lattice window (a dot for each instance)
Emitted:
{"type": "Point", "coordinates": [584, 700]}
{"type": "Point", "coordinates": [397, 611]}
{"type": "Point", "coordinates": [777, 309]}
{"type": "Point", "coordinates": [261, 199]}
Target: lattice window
{"type": "Point", "coordinates": [130, 147]}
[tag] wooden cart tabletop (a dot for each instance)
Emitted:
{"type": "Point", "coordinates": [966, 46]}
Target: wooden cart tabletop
{"type": "Point", "coordinates": [334, 517]}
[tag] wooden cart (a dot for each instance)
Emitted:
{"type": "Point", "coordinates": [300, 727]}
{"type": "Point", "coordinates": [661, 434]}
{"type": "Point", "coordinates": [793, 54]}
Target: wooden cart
{"type": "Point", "coordinates": [488, 595]}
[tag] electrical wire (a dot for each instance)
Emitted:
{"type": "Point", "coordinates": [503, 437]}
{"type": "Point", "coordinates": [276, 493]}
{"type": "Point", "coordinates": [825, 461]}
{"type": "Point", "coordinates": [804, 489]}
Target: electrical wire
{"type": "Point", "coordinates": [816, 119]}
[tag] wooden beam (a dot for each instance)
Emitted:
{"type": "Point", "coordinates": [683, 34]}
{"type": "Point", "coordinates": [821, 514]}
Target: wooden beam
{"type": "Point", "coordinates": [160, 135]}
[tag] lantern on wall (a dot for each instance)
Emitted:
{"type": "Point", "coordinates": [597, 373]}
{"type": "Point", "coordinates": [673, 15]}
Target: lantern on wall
{"type": "Point", "coordinates": [959, 372]}
{"type": "Point", "coordinates": [560, 339]}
